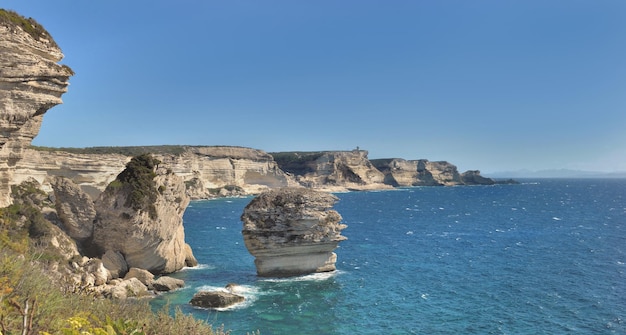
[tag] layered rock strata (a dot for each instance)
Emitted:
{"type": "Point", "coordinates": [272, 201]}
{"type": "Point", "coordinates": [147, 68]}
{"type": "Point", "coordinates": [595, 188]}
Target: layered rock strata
{"type": "Point", "coordinates": [208, 171]}
{"type": "Point", "coordinates": [292, 231]}
{"type": "Point", "coordinates": [401, 173]}
{"type": "Point", "coordinates": [332, 170]}
{"type": "Point", "coordinates": [31, 82]}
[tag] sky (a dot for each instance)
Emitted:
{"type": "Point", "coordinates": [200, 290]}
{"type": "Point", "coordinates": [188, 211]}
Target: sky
{"type": "Point", "coordinates": [492, 85]}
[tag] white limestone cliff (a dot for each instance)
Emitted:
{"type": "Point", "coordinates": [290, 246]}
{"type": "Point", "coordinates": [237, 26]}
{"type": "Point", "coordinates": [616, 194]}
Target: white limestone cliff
{"type": "Point", "coordinates": [332, 170]}
{"type": "Point", "coordinates": [31, 82]}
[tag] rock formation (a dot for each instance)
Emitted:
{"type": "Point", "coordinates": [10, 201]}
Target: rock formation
{"type": "Point", "coordinates": [75, 209]}
{"type": "Point", "coordinates": [215, 299]}
{"type": "Point", "coordinates": [31, 82]}
{"type": "Point", "coordinates": [208, 171]}
{"type": "Point", "coordinates": [332, 170]}
{"type": "Point", "coordinates": [473, 177]}
{"type": "Point", "coordinates": [140, 216]}
{"type": "Point", "coordinates": [401, 173]}
{"type": "Point", "coordinates": [292, 231]}
{"type": "Point", "coordinates": [55, 214]}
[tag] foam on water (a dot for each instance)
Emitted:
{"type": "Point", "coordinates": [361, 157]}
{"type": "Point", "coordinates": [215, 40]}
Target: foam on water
{"type": "Point", "coordinates": [536, 258]}
{"type": "Point", "coordinates": [250, 294]}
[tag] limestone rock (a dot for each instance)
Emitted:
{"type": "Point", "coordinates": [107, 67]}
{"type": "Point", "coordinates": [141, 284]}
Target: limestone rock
{"type": "Point", "coordinates": [166, 283]}
{"type": "Point", "coordinates": [31, 82]}
{"type": "Point", "coordinates": [332, 170]}
{"type": "Point", "coordinates": [91, 172]}
{"type": "Point", "coordinates": [422, 172]}
{"type": "Point", "coordinates": [208, 171]}
{"type": "Point", "coordinates": [292, 231]}
{"type": "Point", "coordinates": [215, 299]}
{"type": "Point", "coordinates": [96, 268]}
{"type": "Point", "coordinates": [473, 177]}
{"type": "Point", "coordinates": [144, 276]}
{"type": "Point", "coordinates": [75, 209]}
{"type": "Point", "coordinates": [190, 259]}
{"type": "Point", "coordinates": [114, 261]}
{"type": "Point", "coordinates": [127, 288]}
{"type": "Point", "coordinates": [145, 225]}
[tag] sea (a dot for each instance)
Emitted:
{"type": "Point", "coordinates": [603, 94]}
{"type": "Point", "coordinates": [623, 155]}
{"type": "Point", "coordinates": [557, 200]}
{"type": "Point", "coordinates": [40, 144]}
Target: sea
{"type": "Point", "coordinates": [545, 256]}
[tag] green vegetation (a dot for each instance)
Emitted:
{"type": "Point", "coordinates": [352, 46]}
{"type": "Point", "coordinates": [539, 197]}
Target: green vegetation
{"type": "Point", "coordinates": [138, 179]}
{"type": "Point", "coordinates": [37, 300]}
{"type": "Point", "coordinates": [33, 303]}
{"type": "Point", "coordinates": [29, 25]}
{"type": "Point", "coordinates": [125, 151]}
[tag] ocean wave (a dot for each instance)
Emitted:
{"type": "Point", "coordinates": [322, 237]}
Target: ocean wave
{"type": "Point", "coordinates": [321, 276]}
{"type": "Point", "coordinates": [198, 267]}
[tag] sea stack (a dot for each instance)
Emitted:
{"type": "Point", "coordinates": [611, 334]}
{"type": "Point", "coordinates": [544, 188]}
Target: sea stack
{"type": "Point", "coordinates": [292, 232]}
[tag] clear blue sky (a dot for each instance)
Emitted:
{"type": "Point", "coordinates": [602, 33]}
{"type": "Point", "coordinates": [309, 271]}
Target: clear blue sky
{"type": "Point", "coordinates": [490, 85]}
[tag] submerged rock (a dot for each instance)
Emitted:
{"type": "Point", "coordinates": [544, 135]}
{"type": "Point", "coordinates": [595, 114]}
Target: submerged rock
{"type": "Point", "coordinates": [292, 231]}
{"type": "Point", "coordinates": [215, 299]}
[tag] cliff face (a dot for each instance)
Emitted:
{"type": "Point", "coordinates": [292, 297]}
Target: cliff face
{"type": "Point", "coordinates": [401, 172]}
{"type": "Point", "coordinates": [332, 170]}
{"type": "Point", "coordinates": [218, 171]}
{"type": "Point", "coordinates": [207, 171]}
{"type": "Point", "coordinates": [31, 82]}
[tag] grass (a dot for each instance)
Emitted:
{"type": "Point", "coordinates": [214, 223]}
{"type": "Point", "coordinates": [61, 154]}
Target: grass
{"type": "Point", "coordinates": [37, 300]}
{"type": "Point", "coordinates": [29, 25]}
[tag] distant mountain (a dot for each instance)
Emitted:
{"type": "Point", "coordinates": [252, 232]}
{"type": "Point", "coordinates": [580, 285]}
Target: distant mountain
{"type": "Point", "coordinates": [556, 173]}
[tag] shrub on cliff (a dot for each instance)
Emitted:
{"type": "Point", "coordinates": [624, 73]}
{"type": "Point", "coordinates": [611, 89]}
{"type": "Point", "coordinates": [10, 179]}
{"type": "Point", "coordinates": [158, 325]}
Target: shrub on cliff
{"type": "Point", "coordinates": [31, 303]}
{"type": "Point", "coordinates": [138, 180]}
{"type": "Point", "coordinates": [29, 25]}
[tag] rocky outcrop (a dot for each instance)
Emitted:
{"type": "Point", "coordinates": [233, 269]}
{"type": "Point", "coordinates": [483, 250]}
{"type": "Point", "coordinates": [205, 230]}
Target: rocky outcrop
{"type": "Point", "coordinates": [292, 231]}
{"type": "Point", "coordinates": [473, 177]}
{"type": "Point", "coordinates": [31, 82]}
{"type": "Point", "coordinates": [332, 170]}
{"type": "Point", "coordinates": [401, 173]}
{"type": "Point", "coordinates": [215, 299]}
{"type": "Point", "coordinates": [75, 209]}
{"type": "Point", "coordinates": [166, 283]}
{"type": "Point", "coordinates": [140, 216]}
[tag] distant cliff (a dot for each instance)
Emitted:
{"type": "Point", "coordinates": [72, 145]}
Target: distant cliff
{"type": "Point", "coordinates": [31, 82]}
{"type": "Point", "coordinates": [217, 171]}
{"type": "Point", "coordinates": [401, 173]}
{"type": "Point", "coordinates": [332, 170]}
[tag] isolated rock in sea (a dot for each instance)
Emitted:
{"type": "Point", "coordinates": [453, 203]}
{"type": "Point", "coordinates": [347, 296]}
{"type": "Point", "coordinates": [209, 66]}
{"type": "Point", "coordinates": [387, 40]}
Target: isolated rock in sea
{"type": "Point", "coordinates": [140, 215]}
{"type": "Point", "coordinates": [215, 299]}
{"type": "Point", "coordinates": [292, 231]}
{"type": "Point", "coordinates": [31, 82]}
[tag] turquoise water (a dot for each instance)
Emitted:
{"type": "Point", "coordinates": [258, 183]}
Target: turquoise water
{"type": "Point", "coordinates": [543, 257]}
